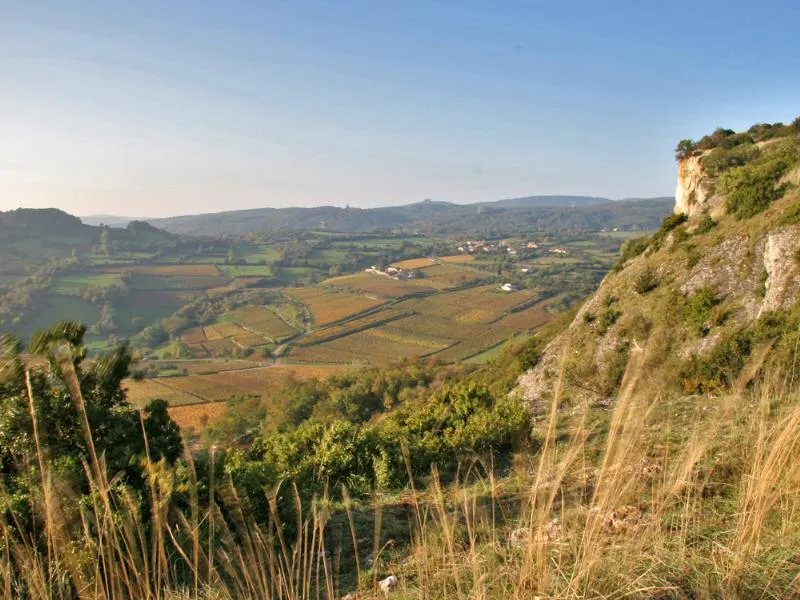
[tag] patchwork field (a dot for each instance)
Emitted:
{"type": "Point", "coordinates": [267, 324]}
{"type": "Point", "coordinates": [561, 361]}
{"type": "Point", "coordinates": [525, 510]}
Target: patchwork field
{"type": "Point", "coordinates": [330, 306]}
{"type": "Point", "coordinates": [380, 285]}
{"type": "Point", "coordinates": [217, 387]}
{"type": "Point", "coordinates": [263, 320]}
{"type": "Point", "coordinates": [449, 325]}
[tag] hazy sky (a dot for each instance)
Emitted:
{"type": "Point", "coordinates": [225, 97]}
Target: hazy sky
{"type": "Point", "coordinates": [167, 107]}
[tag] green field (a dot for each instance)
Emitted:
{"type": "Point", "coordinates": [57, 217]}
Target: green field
{"type": "Point", "coordinates": [60, 308]}
{"type": "Point", "coordinates": [73, 284]}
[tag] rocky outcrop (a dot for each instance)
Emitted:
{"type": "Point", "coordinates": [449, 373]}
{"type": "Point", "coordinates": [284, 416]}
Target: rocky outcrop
{"type": "Point", "coordinates": [690, 195]}
{"type": "Point", "coordinates": [752, 266]}
{"type": "Point", "coordinates": [782, 281]}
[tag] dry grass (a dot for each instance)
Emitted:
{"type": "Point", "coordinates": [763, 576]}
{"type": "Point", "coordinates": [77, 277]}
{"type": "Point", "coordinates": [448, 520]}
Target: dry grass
{"type": "Point", "coordinates": [619, 504]}
{"type": "Point", "coordinates": [196, 417]}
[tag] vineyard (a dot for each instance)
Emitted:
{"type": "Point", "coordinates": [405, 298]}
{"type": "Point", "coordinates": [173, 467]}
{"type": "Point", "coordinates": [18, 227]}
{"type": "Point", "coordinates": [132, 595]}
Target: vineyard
{"type": "Point", "coordinates": [330, 306]}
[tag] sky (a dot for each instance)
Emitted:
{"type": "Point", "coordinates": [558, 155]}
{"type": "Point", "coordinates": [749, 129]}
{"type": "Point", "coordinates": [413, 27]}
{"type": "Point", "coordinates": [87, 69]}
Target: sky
{"type": "Point", "coordinates": [155, 108]}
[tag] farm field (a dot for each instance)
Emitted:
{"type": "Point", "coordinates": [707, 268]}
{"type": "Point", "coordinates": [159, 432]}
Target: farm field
{"type": "Point", "coordinates": [73, 284]}
{"type": "Point", "coordinates": [414, 263]}
{"type": "Point", "coordinates": [195, 417]}
{"type": "Point", "coordinates": [330, 306]}
{"type": "Point", "coordinates": [218, 387]}
{"type": "Point", "coordinates": [264, 321]}
{"type": "Point", "coordinates": [380, 285]}
{"type": "Point", "coordinates": [449, 325]}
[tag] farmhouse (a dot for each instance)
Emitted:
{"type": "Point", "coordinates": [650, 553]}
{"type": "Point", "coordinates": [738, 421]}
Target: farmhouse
{"type": "Point", "coordinates": [509, 287]}
{"type": "Point", "coordinates": [558, 250]}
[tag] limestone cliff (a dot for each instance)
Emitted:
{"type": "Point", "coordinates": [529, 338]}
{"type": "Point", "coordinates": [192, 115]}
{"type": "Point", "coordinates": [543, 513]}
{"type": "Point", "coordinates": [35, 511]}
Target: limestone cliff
{"type": "Point", "coordinates": [696, 284]}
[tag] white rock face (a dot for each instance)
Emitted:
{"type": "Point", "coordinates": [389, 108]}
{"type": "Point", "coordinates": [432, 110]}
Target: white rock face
{"type": "Point", "coordinates": [388, 585]}
{"type": "Point", "coordinates": [689, 193]}
{"type": "Point", "coordinates": [783, 281]}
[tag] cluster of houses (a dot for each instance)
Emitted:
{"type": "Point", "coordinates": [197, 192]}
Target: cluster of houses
{"type": "Point", "coordinates": [393, 272]}
{"type": "Point", "coordinates": [477, 246]}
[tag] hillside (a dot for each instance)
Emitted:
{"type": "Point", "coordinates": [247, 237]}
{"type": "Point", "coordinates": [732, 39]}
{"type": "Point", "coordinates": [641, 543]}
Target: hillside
{"type": "Point", "coordinates": [539, 213]}
{"type": "Point", "coordinates": [708, 297]}
{"type": "Point", "coordinates": [30, 236]}
{"type": "Point", "coordinates": [650, 454]}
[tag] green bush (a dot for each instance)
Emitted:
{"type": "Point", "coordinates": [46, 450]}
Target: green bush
{"type": "Point", "coordinates": [668, 224]}
{"type": "Point", "coordinates": [761, 288]}
{"type": "Point", "coordinates": [751, 188]}
{"type": "Point", "coordinates": [705, 225]}
{"type": "Point", "coordinates": [608, 316]}
{"type": "Point", "coordinates": [631, 248]}
{"type": "Point", "coordinates": [698, 309]}
{"type": "Point", "coordinates": [720, 368]}
{"type": "Point", "coordinates": [646, 282]}
{"type": "Point", "coordinates": [721, 159]}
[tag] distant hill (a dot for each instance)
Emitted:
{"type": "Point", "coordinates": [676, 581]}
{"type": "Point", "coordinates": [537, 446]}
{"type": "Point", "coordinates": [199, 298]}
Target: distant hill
{"type": "Point", "coordinates": [533, 212]}
{"type": "Point", "coordinates": [109, 220]}
{"type": "Point", "coordinates": [547, 202]}
{"type": "Point", "coordinates": [31, 236]}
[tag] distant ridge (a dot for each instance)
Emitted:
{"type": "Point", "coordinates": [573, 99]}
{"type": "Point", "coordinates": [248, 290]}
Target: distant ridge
{"type": "Point", "coordinates": [530, 212]}
{"type": "Point", "coordinates": [110, 220]}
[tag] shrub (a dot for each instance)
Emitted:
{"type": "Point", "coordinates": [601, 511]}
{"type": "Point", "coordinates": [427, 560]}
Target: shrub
{"type": "Point", "coordinates": [631, 248]}
{"type": "Point", "coordinates": [707, 142]}
{"type": "Point", "coordinates": [668, 224]}
{"type": "Point", "coordinates": [761, 288]}
{"type": "Point", "coordinates": [792, 215]}
{"type": "Point", "coordinates": [698, 309]}
{"type": "Point", "coordinates": [692, 255]}
{"type": "Point", "coordinates": [752, 187]}
{"type": "Point", "coordinates": [646, 282]}
{"type": "Point", "coordinates": [705, 225]}
{"type": "Point", "coordinates": [608, 316]}
{"type": "Point", "coordinates": [721, 159]}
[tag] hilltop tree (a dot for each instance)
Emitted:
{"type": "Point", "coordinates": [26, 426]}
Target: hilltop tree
{"type": "Point", "coordinates": [684, 149]}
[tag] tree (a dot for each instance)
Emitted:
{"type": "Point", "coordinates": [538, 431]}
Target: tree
{"type": "Point", "coordinates": [684, 149]}
{"type": "Point", "coordinates": [81, 413]}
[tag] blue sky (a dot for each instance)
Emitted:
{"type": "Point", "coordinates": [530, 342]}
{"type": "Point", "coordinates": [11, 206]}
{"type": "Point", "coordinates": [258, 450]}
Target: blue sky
{"type": "Point", "coordinates": [172, 107]}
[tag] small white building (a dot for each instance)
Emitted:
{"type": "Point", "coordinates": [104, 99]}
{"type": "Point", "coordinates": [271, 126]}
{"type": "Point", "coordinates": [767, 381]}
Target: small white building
{"type": "Point", "coordinates": [509, 287]}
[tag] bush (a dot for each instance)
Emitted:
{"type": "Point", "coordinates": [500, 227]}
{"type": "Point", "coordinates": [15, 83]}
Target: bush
{"type": "Point", "coordinates": [646, 282]}
{"type": "Point", "coordinates": [752, 187]}
{"type": "Point", "coordinates": [631, 248]}
{"type": "Point", "coordinates": [608, 316]}
{"type": "Point", "coordinates": [698, 309]}
{"type": "Point", "coordinates": [705, 225]}
{"type": "Point", "coordinates": [721, 159]}
{"type": "Point", "coordinates": [668, 224]}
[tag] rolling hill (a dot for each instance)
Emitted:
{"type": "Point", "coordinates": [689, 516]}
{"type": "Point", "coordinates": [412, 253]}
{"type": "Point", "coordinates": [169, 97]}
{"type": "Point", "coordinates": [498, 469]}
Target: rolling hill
{"type": "Point", "coordinates": [535, 212]}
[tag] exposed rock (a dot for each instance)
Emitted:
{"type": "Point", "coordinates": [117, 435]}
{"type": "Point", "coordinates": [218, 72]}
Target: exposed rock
{"type": "Point", "coordinates": [690, 194]}
{"type": "Point", "coordinates": [783, 280]}
{"type": "Point", "coordinates": [388, 585]}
